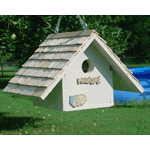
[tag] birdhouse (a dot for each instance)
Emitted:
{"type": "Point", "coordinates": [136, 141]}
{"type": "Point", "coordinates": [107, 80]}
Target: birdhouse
{"type": "Point", "coordinates": [73, 71]}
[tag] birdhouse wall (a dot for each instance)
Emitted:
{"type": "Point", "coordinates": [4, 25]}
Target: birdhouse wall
{"type": "Point", "coordinates": [98, 95]}
{"type": "Point", "coordinates": [53, 100]}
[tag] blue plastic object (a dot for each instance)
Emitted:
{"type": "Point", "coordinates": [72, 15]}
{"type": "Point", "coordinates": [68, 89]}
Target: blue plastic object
{"type": "Point", "coordinates": [143, 75]}
{"type": "Point", "coordinates": [71, 100]}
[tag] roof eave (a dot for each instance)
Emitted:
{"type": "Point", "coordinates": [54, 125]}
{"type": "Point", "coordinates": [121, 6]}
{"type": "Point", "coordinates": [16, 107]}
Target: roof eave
{"type": "Point", "coordinates": [116, 65]}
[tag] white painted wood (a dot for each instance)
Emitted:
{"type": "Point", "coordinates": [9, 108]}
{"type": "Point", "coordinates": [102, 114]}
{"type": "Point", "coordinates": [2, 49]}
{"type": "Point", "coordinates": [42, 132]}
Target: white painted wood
{"type": "Point", "coordinates": [118, 67]}
{"type": "Point", "coordinates": [53, 100]}
{"type": "Point", "coordinates": [96, 94]}
{"type": "Point", "coordinates": [89, 107]}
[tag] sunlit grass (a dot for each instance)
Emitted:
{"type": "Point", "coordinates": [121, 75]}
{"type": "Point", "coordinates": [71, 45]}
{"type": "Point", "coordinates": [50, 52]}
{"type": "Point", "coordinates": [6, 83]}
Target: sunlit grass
{"type": "Point", "coordinates": [26, 119]}
{"type": "Point", "coordinates": [18, 116]}
{"type": "Point", "coordinates": [137, 65]}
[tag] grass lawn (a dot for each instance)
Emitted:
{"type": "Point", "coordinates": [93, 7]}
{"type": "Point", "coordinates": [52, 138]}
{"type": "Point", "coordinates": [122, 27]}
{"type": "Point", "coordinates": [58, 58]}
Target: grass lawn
{"type": "Point", "coordinates": [137, 65]}
{"type": "Point", "coordinates": [18, 116]}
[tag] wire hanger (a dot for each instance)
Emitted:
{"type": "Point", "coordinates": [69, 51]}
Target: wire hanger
{"type": "Point", "coordinates": [84, 25]}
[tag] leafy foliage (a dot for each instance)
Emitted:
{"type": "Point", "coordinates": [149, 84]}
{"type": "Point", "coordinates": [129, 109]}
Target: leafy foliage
{"type": "Point", "coordinates": [20, 35]}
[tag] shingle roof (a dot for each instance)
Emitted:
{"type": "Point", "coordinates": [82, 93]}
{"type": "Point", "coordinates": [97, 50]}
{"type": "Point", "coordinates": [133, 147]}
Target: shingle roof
{"type": "Point", "coordinates": [48, 62]}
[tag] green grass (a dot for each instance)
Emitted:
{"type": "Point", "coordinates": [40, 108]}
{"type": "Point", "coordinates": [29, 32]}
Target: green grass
{"type": "Point", "coordinates": [136, 62]}
{"type": "Point", "coordinates": [18, 116]}
{"type": "Point", "coordinates": [137, 65]}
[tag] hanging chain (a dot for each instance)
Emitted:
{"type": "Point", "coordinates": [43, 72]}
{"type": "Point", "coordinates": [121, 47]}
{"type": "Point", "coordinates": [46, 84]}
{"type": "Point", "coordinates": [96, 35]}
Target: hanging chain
{"type": "Point", "coordinates": [81, 21]}
{"type": "Point", "coordinates": [57, 26]}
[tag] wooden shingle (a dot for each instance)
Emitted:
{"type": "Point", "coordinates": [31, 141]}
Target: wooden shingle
{"type": "Point", "coordinates": [71, 34]}
{"type": "Point", "coordinates": [38, 91]}
{"type": "Point", "coordinates": [66, 41]}
{"type": "Point", "coordinates": [10, 88]}
{"type": "Point", "coordinates": [25, 90]}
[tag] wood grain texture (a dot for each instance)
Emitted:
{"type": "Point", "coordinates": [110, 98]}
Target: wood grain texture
{"type": "Point", "coordinates": [25, 90]}
{"type": "Point", "coordinates": [35, 56]}
{"type": "Point", "coordinates": [43, 81]}
{"type": "Point", "coordinates": [21, 71]}
{"type": "Point", "coordinates": [29, 71]}
{"type": "Point", "coordinates": [10, 88]}
{"type": "Point", "coordinates": [55, 49]}
{"type": "Point", "coordinates": [16, 79]}
{"type": "Point", "coordinates": [46, 82]}
{"type": "Point", "coordinates": [38, 91]}
{"type": "Point", "coordinates": [65, 41]}
{"type": "Point", "coordinates": [71, 34]}
{"type": "Point", "coordinates": [53, 56]}
{"type": "Point", "coordinates": [40, 49]}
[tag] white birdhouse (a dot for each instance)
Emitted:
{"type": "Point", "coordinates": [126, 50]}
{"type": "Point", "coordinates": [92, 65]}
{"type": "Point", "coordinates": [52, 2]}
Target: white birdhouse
{"type": "Point", "coordinates": [73, 71]}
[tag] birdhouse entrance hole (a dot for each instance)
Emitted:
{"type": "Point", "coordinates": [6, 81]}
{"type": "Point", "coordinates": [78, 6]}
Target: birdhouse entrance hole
{"type": "Point", "coordinates": [87, 66]}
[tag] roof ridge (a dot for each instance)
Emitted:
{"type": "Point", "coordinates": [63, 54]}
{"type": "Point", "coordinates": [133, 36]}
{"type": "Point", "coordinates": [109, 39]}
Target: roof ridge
{"type": "Point", "coordinates": [71, 34]}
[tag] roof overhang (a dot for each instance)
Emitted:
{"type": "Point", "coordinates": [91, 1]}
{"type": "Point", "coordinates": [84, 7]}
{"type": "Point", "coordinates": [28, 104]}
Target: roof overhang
{"type": "Point", "coordinates": [122, 79]}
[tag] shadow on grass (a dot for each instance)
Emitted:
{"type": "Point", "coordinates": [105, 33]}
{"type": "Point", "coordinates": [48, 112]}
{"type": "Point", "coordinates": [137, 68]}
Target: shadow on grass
{"type": "Point", "coordinates": [3, 83]}
{"type": "Point", "coordinates": [13, 123]}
